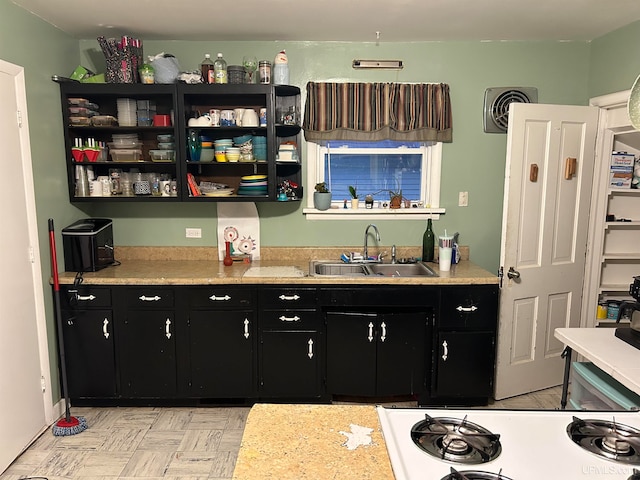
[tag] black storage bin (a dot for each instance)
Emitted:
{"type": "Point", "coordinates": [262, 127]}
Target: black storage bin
{"type": "Point", "coordinates": [88, 245]}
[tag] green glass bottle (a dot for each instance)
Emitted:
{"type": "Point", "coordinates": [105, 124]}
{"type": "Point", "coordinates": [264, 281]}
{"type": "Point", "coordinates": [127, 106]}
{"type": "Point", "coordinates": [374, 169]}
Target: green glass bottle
{"type": "Point", "coordinates": [428, 243]}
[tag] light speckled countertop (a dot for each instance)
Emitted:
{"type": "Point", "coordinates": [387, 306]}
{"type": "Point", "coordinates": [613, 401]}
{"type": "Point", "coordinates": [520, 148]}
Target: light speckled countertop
{"type": "Point", "coordinates": [199, 266]}
{"type": "Point", "coordinates": [293, 442]}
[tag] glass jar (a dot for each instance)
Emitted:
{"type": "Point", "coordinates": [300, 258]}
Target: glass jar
{"type": "Point", "coordinates": [264, 71]}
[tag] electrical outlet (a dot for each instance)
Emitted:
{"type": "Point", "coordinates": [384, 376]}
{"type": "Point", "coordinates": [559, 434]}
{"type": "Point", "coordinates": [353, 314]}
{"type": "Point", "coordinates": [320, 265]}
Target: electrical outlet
{"type": "Point", "coordinates": [193, 233]}
{"type": "Point", "coordinates": [463, 199]}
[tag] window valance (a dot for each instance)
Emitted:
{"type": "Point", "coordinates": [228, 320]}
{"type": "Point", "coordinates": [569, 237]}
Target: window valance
{"type": "Point", "coordinates": [378, 111]}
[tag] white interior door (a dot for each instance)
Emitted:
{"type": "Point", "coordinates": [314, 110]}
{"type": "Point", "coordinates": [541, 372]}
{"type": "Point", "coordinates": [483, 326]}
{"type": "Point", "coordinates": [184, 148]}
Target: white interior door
{"type": "Point", "coordinates": [544, 239]}
{"type": "Point", "coordinates": [24, 374]}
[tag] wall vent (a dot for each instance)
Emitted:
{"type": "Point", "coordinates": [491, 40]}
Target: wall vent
{"type": "Point", "coordinates": [496, 105]}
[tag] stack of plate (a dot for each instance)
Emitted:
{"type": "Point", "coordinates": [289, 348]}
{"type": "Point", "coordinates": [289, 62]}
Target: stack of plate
{"type": "Point", "coordinates": [127, 112]}
{"type": "Point", "coordinates": [253, 185]}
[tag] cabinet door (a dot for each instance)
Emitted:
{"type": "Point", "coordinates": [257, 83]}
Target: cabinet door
{"type": "Point", "coordinates": [351, 353]}
{"type": "Point", "coordinates": [465, 363]}
{"type": "Point", "coordinates": [148, 353]}
{"type": "Point", "coordinates": [289, 364]}
{"type": "Point", "coordinates": [402, 358]}
{"type": "Point", "coordinates": [222, 353]}
{"type": "Point", "coordinates": [89, 353]}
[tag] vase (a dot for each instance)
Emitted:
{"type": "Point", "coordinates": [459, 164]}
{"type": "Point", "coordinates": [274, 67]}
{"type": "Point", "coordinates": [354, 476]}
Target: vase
{"type": "Point", "coordinates": [396, 202]}
{"type": "Point", "coordinates": [322, 200]}
{"type": "Point", "coordinates": [354, 203]}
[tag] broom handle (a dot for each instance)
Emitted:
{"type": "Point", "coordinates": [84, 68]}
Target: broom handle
{"type": "Point", "coordinates": [58, 315]}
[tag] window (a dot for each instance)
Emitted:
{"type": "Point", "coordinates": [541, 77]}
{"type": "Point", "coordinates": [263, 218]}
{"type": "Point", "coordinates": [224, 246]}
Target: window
{"type": "Point", "coordinates": [375, 168]}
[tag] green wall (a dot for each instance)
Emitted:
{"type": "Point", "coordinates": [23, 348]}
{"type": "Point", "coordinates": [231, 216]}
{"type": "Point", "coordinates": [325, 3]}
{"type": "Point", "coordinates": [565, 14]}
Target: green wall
{"type": "Point", "coordinates": [43, 51]}
{"type": "Point", "coordinates": [473, 162]}
{"type": "Point", "coordinates": [564, 73]}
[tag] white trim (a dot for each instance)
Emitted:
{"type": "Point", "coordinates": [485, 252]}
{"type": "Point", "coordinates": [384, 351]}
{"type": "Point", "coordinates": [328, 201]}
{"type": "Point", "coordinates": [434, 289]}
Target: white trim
{"type": "Point", "coordinates": [373, 214]}
{"type": "Point", "coordinates": [432, 204]}
{"type": "Point", "coordinates": [36, 269]}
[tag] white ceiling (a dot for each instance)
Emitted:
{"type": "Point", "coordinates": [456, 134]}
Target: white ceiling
{"type": "Point", "coordinates": [337, 20]}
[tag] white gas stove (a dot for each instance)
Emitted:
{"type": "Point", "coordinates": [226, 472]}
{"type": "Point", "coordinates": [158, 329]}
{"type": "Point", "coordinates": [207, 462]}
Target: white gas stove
{"type": "Point", "coordinates": [481, 444]}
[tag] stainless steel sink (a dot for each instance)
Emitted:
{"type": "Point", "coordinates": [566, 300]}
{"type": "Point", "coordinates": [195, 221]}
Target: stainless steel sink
{"type": "Point", "coordinates": [401, 269]}
{"type": "Point", "coordinates": [337, 269]}
{"type": "Point", "coordinates": [333, 269]}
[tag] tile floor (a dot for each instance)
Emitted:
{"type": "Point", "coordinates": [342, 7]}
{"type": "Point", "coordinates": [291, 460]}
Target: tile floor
{"type": "Point", "coordinates": [163, 443]}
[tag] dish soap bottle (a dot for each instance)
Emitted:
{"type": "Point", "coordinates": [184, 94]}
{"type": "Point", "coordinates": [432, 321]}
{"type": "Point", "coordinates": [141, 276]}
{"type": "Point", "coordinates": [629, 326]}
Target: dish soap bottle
{"type": "Point", "coordinates": [428, 243]}
{"type": "Point", "coordinates": [206, 68]}
{"type": "Point", "coordinates": [220, 70]}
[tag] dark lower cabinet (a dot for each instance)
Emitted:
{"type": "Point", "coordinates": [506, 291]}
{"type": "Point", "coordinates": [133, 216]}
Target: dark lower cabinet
{"type": "Point", "coordinates": [291, 355]}
{"type": "Point", "coordinates": [146, 341]}
{"type": "Point", "coordinates": [89, 343]}
{"type": "Point", "coordinates": [89, 352]}
{"type": "Point", "coordinates": [221, 341]}
{"type": "Point", "coordinates": [377, 354]}
{"type": "Point", "coordinates": [221, 353]}
{"type": "Point", "coordinates": [465, 364]}
{"type": "Point", "coordinates": [148, 354]}
{"type": "Point", "coordinates": [280, 342]}
{"type": "Point", "coordinates": [290, 364]}
{"type": "Point", "coordinates": [464, 345]}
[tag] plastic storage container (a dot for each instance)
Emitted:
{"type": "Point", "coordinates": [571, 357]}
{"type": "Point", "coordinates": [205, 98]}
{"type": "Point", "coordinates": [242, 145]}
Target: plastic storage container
{"type": "Point", "coordinates": [593, 389]}
{"type": "Point", "coordinates": [126, 155]}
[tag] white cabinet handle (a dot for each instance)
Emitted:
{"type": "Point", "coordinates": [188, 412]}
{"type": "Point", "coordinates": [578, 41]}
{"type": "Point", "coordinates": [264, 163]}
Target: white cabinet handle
{"type": "Point", "coordinates": [289, 297]}
{"type": "Point", "coordinates": [223, 299]}
{"type": "Point", "coordinates": [86, 297]}
{"type": "Point", "coordinates": [384, 331]}
{"type": "Point", "coordinates": [445, 350]}
{"type": "Point", "coordinates": [105, 329]}
{"type": "Point", "coordinates": [144, 298]}
{"type": "Point", "coordinates": [246, 328]}
{"type": "Point", "coordinates": [310, 343]}
{"type": "Point", "coordinates": [167, 328]}
{"type": "Point", "coordinates": [295, 318]}
{"type": "Point", "coordinates": [370, 337]}
{"type": "Point", "coordinates": [472, 308]}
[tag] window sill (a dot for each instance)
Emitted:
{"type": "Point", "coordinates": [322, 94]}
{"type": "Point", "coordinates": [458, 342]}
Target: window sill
{"type": "Point", "coordinates": [373, 213]}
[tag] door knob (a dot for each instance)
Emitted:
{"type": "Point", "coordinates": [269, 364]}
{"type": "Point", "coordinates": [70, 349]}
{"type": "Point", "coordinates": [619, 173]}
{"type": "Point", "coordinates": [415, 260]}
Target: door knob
{"type": "Point", "coordinates": [512, 274]}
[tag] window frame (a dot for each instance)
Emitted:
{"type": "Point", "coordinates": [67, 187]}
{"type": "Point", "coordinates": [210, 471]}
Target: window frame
{"type": "Point", "coordinates": [431, 173]}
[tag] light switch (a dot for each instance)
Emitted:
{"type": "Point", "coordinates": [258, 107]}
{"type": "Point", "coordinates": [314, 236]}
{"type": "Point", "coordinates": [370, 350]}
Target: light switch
{"type": "Point", "coordinates": [463, 199]}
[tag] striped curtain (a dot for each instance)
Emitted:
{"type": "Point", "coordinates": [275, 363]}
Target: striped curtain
{"type": "Point", "coordinates": [378, 111]}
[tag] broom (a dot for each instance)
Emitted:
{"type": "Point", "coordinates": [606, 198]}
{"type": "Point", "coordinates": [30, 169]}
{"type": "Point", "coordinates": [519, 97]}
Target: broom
{"type": "Point", "coordinates": [68, 425]}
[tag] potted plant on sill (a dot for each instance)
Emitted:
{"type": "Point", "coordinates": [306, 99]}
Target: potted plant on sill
{"type": "Point", "coordinates": [395, 198]}
{"type": "Point", "coordinates": [321, 197]}
{"type": "Point", "coordinates": [354, 197]}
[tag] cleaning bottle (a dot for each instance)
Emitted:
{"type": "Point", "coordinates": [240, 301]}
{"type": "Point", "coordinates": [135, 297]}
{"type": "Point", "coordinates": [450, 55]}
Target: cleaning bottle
{"type": "Point", "coordinates": [220, 70]}
{"type": "Point", "coordinates": [428, 243]}
{"type": "Point", "coordinates": [206, 67]}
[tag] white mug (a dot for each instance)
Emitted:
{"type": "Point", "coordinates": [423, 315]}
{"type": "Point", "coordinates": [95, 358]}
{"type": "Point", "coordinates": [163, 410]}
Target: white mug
{"type": "Point", "coordinates": [250, 118]}
{"type": "Point", "coordinates": [165, 188]}
{"type": "Point", "coordinates": [227, 118]}
{"type": "Point", "coordinates": [215, 117]}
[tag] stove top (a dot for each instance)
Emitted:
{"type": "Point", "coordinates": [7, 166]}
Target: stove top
{"type": "Point", "coordinates": [447, 444]}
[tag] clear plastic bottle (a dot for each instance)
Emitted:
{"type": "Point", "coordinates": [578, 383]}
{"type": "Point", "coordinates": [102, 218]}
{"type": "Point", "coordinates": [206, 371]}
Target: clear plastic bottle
{"type": "Point", "coordinates": [206, 67]}
{"type": "Point", "coordinates": [220, 70]}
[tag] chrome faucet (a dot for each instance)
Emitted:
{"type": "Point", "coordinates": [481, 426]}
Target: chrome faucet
{"type": "Point", "coordinates": [393, 253]}
{"type": "Point", "coordinates": [366, 235]}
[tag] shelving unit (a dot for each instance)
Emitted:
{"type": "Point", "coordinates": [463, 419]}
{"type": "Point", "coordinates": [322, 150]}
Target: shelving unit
{"type": "Point", "coordinates": [614, 245]}
{"type": "Point", "coordinates": [105, 97]}
{"type": "Point", "coordinates": [184, 101]}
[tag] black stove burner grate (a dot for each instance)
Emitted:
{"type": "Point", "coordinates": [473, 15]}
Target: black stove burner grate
{"type": "Point", "coordinates": [474, 475]}
{"type": "Point", "coordinates": [456, 440]}
{"type": "Point", "coordinates": [608, 439]}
